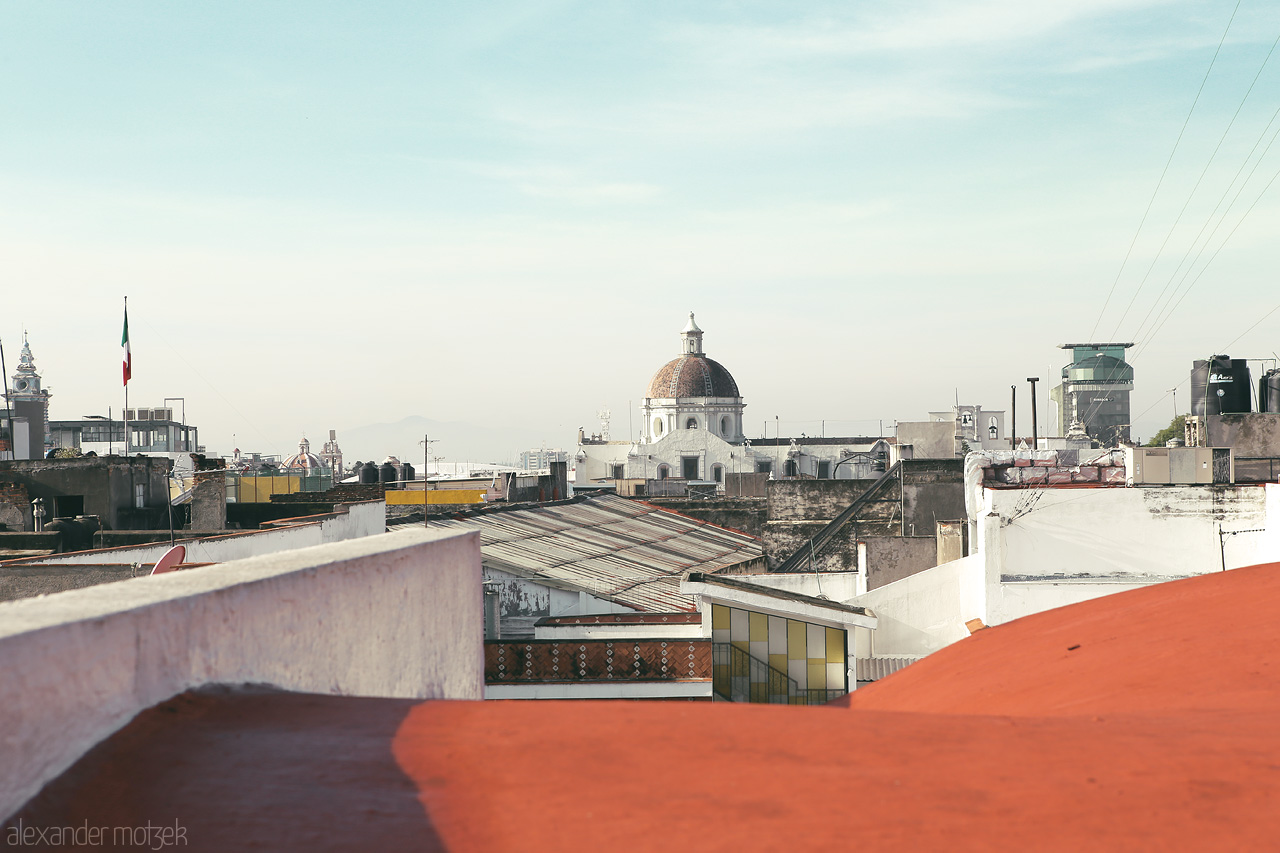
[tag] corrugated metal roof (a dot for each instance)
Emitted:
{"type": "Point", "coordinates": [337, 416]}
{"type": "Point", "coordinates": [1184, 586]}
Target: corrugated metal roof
{"type": "Point", "coordinates": [630, 552]}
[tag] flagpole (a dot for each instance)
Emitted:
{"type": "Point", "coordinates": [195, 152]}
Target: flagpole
{"type": "Point", "coordinates": [125, 413]}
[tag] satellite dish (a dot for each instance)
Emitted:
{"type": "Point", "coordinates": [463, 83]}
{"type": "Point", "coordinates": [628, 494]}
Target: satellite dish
{"type": "Point", "coordinates": [169, 562]}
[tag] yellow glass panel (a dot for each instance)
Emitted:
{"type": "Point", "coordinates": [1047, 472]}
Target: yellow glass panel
{"type": "Point", "coordinates": [796, 640]}
{"type": "Point", "coordinates": [719, 616]}
{"type": "Point", "coordinates": [817, 674]}
{"type": "Point", "coordinates": [759, 627]}
{"type": "Point", "coordinates": [778, 662]}
{"type": "Point", "coordinates": [759, 691]}
{"type": "Point", "coordinates": [835, 645]}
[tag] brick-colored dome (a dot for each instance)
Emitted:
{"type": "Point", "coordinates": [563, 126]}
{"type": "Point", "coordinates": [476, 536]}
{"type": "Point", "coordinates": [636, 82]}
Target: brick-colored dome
{"type": "Point", "coordinates": [692, 376]}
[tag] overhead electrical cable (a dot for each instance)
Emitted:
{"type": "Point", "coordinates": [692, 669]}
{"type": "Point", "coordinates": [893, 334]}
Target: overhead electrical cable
{"type": "Point", "coordinates": [1188, 288]}
{"type": "Point", "coordinates": [1212, 156]}
{"type": "Point", "coordinates": [1164, 171]}
{"type": "Point", "coordinates": [1160, 297]}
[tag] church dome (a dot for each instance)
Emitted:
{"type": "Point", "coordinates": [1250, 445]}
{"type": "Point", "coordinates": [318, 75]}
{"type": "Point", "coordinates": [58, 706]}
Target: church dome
{"type": "Point", "coordinates": [304, 458]}
{"type": "Point", "coordinates": [692, 376]}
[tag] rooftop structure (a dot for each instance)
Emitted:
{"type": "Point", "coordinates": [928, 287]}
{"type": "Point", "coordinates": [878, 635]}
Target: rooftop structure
{"type": "Point", "coordinates": [1075, 729]}
{"type": "Point", "coordinates": [625, 552]}
{"type": "Point", "coordinates": [1095, 392]}
{"type": "Point", "coordinates": [304, 459]}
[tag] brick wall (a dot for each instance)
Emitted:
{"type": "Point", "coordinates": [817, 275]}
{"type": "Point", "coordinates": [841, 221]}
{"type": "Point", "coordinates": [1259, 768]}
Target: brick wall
{"type": "Point", "coordinates": [1052, 467]}
{"type": "Point", "coordinates": [15, 507]}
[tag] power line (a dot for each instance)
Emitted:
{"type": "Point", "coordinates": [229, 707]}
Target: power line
{"type": "Point", "coordinates": [1213, 155]}
{"type": "Point", "coordinates": [1164, 171]}
{"type": "Point", "coordinates": [1209, 218]}
{"type": "Point", "coordinates": [1208, 263]}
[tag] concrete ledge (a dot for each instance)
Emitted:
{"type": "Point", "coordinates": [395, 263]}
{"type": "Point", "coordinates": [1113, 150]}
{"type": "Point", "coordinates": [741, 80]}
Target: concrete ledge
{"type": "Point", "coordinates": [394, 615]}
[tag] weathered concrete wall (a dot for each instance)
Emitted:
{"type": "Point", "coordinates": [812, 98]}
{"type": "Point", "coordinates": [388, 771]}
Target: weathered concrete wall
{"type": "Point", "coordinates": [29, 581]}
{"type": "Point", "coordinates": [812, 500]}
{"type": "Point", "coordinates": [953, 540]}
{"type": "Point", "coordinates": [106, 483]}
{"type": "Point", "coordinates": [800, 509]}
{"type": "Point", "coordinates": [361, 520]}
{"type": "Point", "coordinates": [1253, 434]}
{"type": "Point", "coordinates": [932, 491]}
{"type": "Point", "coordinates": [892, 558]}
{"type": "Point", "coordinates": [15, 506]}
{"type": "Point", "coordinates": [750, 485]}
{"type": "Point", "coordinates": [209, 501]}
{"type": "Point", "coordinates": [18, 540]}
{"type": "Point", "coordinates": [745, 514]}
{"type": "Point", "coordinates": [929, 439]}
{"type": "Point", "coordinates": [397, 615]}
{"type": "Point", "coordinates": [1054, 547]}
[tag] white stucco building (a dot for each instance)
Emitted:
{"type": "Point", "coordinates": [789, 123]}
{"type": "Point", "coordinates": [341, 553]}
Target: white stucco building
{"type": "Point", "coordinates": [691, 429]}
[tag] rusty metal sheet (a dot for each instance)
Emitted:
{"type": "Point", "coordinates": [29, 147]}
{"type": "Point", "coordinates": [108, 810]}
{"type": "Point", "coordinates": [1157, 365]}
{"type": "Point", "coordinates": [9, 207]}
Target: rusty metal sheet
{"type": "Point", "coordinates": [627, 551]}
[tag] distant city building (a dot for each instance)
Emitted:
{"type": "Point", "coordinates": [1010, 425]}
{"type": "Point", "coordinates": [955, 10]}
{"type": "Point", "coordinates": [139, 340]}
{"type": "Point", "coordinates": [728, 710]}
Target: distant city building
{"type": "Point", "coordinates": [692, 429]}
{"type": "Point", "coordinates": [29, 401]}
{"type": "Point", "coordinates": [537, 460]}
{"type": "Point", "coordinates": [303, 460]}
{"type": "Point", "coordinates": [981, 430]}
{"type": "Point", "coordinates": [1095, 391]}
{"type": "Point", "coordinates": [331, 454]}
{"type": "Point", "coordinates": [152, 432]}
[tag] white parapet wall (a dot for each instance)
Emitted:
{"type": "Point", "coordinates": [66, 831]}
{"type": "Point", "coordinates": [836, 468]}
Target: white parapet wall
{"type": "Point", "coordinates": [1052, 547]}
{"type": "Point", "coordinates": [367, 518]}
{"type": "Point", "coordinates": [394, 615]}
{"type": "Point", "coordinates": [926, 611]}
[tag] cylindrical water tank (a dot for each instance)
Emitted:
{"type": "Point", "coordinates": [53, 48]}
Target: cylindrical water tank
{"type": "Point", "coordinates": [368, 473]}
{"type": "Point", "coordinates": [1220, 386]}
{"type": "Point", "coordinates": [1269, 391]}
{"type": "Point", "coordinates": [387, 474]}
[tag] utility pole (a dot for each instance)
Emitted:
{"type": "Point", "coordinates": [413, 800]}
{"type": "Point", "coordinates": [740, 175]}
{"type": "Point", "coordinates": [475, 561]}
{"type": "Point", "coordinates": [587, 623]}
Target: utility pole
{"type": "Point", "coordinates": [1035, 435]}
{"type": "Point", "coordinates": [1013, 417]}
{"type": "Point", "coordinates": [426, 472]}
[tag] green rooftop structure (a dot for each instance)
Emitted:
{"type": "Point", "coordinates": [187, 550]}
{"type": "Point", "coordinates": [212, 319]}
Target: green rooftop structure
{"type": "Point", "coordinates": [1095, 391]}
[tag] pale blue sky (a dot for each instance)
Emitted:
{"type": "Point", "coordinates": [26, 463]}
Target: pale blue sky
{"type": "Point", "coordinates": [327, 215]}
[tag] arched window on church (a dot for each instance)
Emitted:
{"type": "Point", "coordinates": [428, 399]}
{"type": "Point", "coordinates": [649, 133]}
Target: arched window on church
{"type": "Point", "coordinates": [791, 468]}
{"type": "Point", "coordinates": [657, 427]}
{"type": "Point", "coordinates": [726, 425]}
{"type": "Point", "coordinates": [692, 423]}
{"type": "Point", "coordinates": [663, 472]}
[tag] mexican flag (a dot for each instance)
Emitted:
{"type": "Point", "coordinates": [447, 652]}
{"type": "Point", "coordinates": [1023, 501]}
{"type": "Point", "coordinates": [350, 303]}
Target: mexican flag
{"type": "Point", "coordinates": [124, 342]}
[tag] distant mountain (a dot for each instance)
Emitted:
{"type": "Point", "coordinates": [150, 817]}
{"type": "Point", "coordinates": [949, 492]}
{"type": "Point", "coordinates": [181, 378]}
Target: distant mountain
{"type": "Point", "coordinates": [456, 442]}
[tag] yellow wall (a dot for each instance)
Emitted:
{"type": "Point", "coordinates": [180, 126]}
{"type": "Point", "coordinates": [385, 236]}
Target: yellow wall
{"type": "Point", "coordinates": [260, 489]}
{"type": "Point", "coordinates": [811, 655]}
{"type": "Point", "coordinates": [413, 497]}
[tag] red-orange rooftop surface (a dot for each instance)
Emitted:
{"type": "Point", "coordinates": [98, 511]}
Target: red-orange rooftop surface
{"type": "Point", "coordinates": [1148, 720]}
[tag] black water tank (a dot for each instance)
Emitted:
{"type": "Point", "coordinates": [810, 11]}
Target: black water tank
{"type": "Point", "coordinates": [1269, 391]}
{"type": "Point", "coordinates": [387, 473]}
{"type": "Point", "coordinates": [1220, 386]}
{"type": "Point", "coordinates": [368, 473]}
{"type": "Point", "coordinates": [408, 472]}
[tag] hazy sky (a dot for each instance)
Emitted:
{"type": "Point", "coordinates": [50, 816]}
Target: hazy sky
{"type": "Point", "coordinates": [326, 215]}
